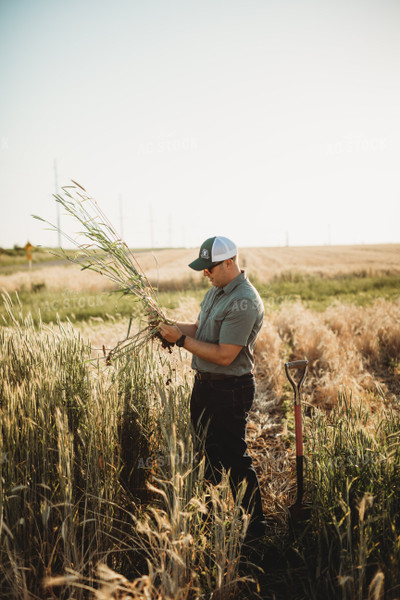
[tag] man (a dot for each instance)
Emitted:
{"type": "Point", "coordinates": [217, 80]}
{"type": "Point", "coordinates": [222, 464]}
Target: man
{"type": "Point", "coordinates": [222, 343]}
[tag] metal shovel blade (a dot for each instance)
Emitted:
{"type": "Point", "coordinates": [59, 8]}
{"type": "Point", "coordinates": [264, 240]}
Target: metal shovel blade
{"type": "Point", "coordinates": [298, 511]}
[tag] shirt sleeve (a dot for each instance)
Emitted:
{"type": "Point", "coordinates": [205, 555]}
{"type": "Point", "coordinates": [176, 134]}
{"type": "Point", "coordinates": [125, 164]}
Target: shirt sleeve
{"type": "Point", "coordinates": [239, 322]}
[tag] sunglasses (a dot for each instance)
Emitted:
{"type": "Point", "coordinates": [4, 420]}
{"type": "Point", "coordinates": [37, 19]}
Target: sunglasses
{"type": "Point", "coordinates": [210, 269]}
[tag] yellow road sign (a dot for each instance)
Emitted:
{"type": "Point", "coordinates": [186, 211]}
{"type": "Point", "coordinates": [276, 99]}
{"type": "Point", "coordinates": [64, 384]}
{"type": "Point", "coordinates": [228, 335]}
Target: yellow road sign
{"type": "Point", "coordinates": [28, 249]}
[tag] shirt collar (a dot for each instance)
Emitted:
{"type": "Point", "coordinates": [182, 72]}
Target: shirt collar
{"type": "Point", "coordinates": [229, 287]}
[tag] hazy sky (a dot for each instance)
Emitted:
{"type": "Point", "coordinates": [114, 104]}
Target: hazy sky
{"type": "Point", "coordinates": [259, 120]}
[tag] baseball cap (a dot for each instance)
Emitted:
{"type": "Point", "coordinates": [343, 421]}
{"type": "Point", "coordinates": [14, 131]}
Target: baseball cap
{"type": "Point", "coordinates": [214, 250]}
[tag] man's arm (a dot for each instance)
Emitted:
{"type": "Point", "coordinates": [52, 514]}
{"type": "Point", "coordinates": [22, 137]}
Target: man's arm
{"type": "Point", "coordinates": [219, 354]}
{"type": "Point", "coordinates": [188, 329]}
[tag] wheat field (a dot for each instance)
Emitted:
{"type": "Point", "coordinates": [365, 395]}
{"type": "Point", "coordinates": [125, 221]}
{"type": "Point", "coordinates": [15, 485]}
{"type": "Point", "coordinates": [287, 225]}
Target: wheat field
{"type": "Point", "coordinates": [262, 263]}
{"type": "Point", "coordinates": [84, 514]}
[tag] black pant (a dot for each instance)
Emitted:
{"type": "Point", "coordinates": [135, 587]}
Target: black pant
{"type": "Point", "coordinates": [219, 411]}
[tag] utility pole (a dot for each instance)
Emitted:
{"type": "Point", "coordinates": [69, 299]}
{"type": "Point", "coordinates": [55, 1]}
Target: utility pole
{"type": "Point", "coordinates": [121, 218]}
{"type": "Point", "coordinates": [58, 205]}
{"type": "Point", "coordinates": [170, 230]}
{"type": "Point", "coordinates": [151, 227]}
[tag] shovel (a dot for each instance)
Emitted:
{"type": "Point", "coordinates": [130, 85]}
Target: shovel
{"type": "Point", "coordinates": [298, 511]}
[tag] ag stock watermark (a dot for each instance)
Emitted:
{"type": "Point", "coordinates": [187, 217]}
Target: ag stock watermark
{"type": "Point", "coordinates": [168, 144]}
{"type": "Point", "coordinates": [165, 460]}
{"type": "Point", "coordinates": [354, 461]}
{"type": "Point", "coordinates": [354, 144]}
{"type": "Point", "coordinates": [269, 298]}
{"type": "Point", "coordinates": [73, 302]}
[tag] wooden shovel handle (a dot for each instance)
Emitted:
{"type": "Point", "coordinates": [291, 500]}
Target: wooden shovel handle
{"type": "Point", "coordinates": [299, 429]}
{"type": "Point", "coordinates": [296, 364]}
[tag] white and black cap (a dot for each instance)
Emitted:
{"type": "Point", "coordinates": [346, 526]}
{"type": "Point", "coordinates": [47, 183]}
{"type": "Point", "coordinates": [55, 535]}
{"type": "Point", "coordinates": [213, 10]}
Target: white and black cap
{"type": "Point", "coordinates": [212, 251]}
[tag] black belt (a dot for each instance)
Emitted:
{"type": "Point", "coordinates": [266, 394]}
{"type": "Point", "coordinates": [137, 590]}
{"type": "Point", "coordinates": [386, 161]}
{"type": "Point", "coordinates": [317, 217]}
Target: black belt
{"type": "Point", "coordinates": [201, 376]}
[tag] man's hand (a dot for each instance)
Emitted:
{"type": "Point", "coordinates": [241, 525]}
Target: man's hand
{"type": "Point", "coordinates": [171, 333]}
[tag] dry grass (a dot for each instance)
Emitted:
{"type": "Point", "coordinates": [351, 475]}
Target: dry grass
{"type": "Point", "coordinates": [348, 347]}
{"type": "Point", "coordinates": [170, 266]}
{"type": "Point", "coordinates": [56, 279]}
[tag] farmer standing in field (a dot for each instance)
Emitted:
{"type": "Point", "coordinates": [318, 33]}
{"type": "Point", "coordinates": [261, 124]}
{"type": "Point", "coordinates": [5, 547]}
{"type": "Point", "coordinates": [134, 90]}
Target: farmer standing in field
{"type": "Point", "coordinates": [222, 343]}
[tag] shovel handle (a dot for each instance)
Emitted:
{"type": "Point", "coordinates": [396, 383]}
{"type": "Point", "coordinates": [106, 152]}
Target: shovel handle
{"type": "Point", "coordinates": [296, 364]}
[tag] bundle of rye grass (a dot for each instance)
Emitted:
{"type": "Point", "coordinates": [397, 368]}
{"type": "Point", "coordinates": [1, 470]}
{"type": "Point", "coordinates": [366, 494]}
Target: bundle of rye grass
{"type": "Point", "coordinates": [107, 254]}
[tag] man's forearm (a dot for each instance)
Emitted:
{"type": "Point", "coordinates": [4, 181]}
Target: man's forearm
{"type": "Point", "coordinates": [213, 353]}
{"type": "Point", "coordinates": [188, 328]}
{"type": "Point", "coordinates": [220, 354]}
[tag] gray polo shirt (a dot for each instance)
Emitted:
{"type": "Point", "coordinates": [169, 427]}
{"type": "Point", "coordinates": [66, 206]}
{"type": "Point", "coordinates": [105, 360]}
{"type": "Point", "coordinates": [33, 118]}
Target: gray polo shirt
{"type": "Point", "coordinates": [230, 315]}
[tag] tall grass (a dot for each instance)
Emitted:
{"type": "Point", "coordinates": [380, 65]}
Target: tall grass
{"type": "Point", "coordinates": [59, 466]}
{"type": "Point", "coordinates": [99, 490]}
{"type": "Point", "coordinates": [97, 468]}
{"type": "Point", "coordinates": [351, 547]}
